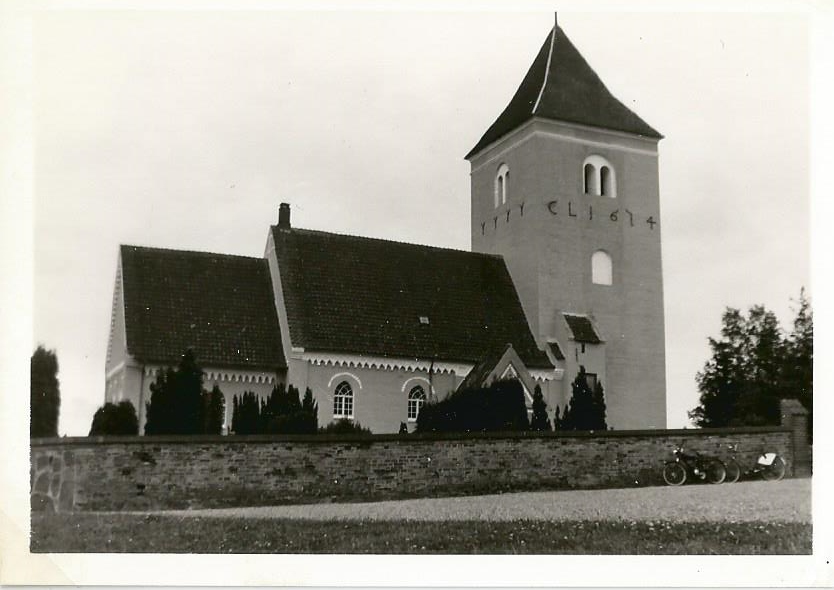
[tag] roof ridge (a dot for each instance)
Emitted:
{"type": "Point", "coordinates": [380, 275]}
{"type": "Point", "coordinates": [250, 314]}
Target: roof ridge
{"type": "Point", "coordinates": [388, 241]}
{"type": "Point", "coordinates": [546, 70]}
{"type": "Point", "coordinates": [181, 251]}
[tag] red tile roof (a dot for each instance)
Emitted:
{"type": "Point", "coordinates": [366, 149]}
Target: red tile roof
{"type": "Point", "coordinates": [220, 306]}
{"type": "Point", "coordinates": [572, 92]}
{"type": "Point", "coordinates": [366, 296]}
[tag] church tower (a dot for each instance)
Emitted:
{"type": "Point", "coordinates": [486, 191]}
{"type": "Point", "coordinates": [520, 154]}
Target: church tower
{"type": "Point", "coordinates": [565, 188]}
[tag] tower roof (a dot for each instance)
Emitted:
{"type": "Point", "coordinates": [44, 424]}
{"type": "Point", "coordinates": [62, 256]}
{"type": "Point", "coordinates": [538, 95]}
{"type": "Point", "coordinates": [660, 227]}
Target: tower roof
{"type": "Point", "coordinates": [560, 85]}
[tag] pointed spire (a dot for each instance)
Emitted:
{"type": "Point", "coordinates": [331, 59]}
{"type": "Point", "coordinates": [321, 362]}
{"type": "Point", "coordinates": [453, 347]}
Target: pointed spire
{"type": "Point", "coordinates": [560, 85]}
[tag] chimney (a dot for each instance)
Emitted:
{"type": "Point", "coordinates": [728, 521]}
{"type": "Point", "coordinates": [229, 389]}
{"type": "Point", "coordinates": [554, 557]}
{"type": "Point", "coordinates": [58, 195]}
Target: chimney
{"type": "Point", "coordinates": [284, 216]}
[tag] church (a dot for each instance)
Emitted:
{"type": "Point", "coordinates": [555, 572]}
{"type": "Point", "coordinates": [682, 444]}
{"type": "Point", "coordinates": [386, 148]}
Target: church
{"type": "Point", "coordinates": [564, 271]}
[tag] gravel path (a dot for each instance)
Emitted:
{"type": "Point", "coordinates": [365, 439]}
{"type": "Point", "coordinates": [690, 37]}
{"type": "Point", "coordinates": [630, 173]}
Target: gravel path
{"type": "Point", "coordinates": [786, 501]}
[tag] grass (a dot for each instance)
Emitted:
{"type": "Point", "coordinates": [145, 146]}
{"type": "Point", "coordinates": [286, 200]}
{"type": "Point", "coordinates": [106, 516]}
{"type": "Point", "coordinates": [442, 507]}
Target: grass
{"type": "Point", "coordinates": [134, 533]}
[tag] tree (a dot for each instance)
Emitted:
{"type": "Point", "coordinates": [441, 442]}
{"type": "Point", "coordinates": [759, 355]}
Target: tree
{"type": "Point", "coordinates": [115, 419]}
{"type": "Point", "coordinates": [586, 408]}
{"type": "Point", "coordinates": [557, 420]}
{"type": "Point", "coordinates": [540, 421]}
{"type": "Point", "coordinates": [176, 404]}
{"type": "Point", "coordinates": [599, 407]}
{"type": "Point", "coordinates": [44, 393]}
{"type": "Point", "coordinates": [309, 412]}
{"type": "Point", "coordinates": [798, 367]}
{"type": "Point", "coordinates": [741, 384]}
{"type": "Point", "coordinates": [214, 409]}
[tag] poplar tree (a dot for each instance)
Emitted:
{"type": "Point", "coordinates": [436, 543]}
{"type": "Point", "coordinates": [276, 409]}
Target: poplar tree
{"type": "Point", "coordinates": [44, 393]}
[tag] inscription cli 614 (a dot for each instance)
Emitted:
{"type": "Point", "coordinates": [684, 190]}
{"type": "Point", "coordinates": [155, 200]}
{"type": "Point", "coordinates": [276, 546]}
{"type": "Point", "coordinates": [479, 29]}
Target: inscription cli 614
{"type": "Point", "coordinates": [553, 207]}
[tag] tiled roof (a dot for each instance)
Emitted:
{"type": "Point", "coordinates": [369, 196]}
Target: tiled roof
{"type": "Point", "coordinates": [572, 92]}
{"type": "Point", "coordinates": [582, 328]}
{"type": "Point", "coordinates": [366, 296]}
{"type": "Point", "coordinates": [218, 305]}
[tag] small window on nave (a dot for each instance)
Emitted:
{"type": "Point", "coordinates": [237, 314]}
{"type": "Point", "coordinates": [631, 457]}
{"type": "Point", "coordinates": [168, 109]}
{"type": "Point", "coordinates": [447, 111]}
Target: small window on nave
{"type": "Point", "coordinates": [416, 399]}
{"type": "Point", "coordinates": [343, 401]}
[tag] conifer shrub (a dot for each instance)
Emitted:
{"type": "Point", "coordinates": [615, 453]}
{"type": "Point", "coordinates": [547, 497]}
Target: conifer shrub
{"type": "Point", "coordinates": [176, 404]}
{"type": "Point", "coordinates": [115, 419]}
{"type": "Point", "coordinates": [586, 409]}
{"type": "Point", "coordinates": [499, 407]}
{"type": "Point", "coordinates": [246, 414]}
{"type": "Point", "coordinates": [345, 426]}
{"type": "Point", "coordinates": [539, 421]}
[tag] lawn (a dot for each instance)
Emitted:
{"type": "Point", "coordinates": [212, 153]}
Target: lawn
{"type": "Point", "coordinates": [161, 533]}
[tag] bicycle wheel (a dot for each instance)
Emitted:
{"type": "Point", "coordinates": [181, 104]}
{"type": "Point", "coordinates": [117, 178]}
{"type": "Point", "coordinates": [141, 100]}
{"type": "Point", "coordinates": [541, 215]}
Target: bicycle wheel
{"type": "Point", "coordinates": [714, 470]}
{"type": "Point", "coordinates": [776, 470]}
{"type": "Point", "coordinates": [733, 471]}
{"type": "Point", "coordinates": [674, 474]}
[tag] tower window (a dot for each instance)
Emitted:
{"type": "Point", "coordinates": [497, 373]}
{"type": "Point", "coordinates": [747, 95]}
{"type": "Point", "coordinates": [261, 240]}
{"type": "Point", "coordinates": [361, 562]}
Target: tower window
{"type": "Point", "coordinates": [601, 268]}
{"type": "Point", "coordinates": [502, 185]}
{"type": "Point", "coordinates": [590, 179]}
{"type": "Point", "coordinates": [605, 180]}
{"type": "Point", "coordinates": [598, 177]}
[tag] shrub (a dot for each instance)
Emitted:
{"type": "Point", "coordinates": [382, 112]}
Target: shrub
{"type": "Point", "coordinates": [344, 426]}
{"type": "Point", "coordinates": [540, 421]}
{"type": "Point", "coordinates": [115, 419]}
{"type": "Point", "coordinates": [499, 407]}
{"type": "Point", "coordinates": [586, 409]}
{"type": "Point", "coordinates": [176, 404]}
{"type": "Point", "coordinates": [246, 414]}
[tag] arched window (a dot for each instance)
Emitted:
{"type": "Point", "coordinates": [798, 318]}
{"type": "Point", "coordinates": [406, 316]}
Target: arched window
{"type": "Point", "coordinates": [601, 268]}
{"type": "Point", "coordinates": [343, 401]}
{"type": "Point", "coordinates": [598, 177]}
{"type": "Point", "coordinates": [506, 187]}
{"type": "Point", "coordinates": [590, 179]}
{"type": "Point", "coordinates": [416, 398]}
{"type": "Point", "coordinates": [502, 184]}
{"type": "Point", "coordinates": [605, 181]}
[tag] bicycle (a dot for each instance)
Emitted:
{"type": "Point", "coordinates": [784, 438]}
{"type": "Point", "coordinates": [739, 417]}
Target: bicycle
{"type": "Point", "coordinates": [770, 466]}
{"type": "Point", "coordinates": [695, 465]}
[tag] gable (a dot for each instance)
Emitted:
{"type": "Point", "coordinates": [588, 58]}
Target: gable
{"type": "Point", "coordinates": [366, 296]}
{"type": "Point", "coordinates": [218, 305]}
{"type": "Point", "coordinates": [501, 363]}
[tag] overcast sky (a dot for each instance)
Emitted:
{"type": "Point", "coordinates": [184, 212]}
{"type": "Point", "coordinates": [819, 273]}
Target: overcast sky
{"type": "Point", "coordinates": [187, 129]}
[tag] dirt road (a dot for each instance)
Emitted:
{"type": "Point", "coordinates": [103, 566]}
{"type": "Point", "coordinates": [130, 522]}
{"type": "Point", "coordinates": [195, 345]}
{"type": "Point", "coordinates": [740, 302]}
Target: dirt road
{"type": "Point", "coordinates": [784, 501]}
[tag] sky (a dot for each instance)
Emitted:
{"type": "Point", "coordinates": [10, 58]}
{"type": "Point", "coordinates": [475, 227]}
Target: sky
{"type": "Point", "coordinates": [186, 130]}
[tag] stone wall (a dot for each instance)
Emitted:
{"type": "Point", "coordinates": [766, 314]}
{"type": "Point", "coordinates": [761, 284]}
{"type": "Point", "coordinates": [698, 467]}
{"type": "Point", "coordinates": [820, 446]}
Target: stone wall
{"type": "Point", "coordinates": [139, 473]}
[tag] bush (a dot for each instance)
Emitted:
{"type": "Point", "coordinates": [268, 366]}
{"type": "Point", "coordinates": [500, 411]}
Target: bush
{"type": "Point", "coordinates": [344, 426]}
{"type": "Point", "coordinates": [115, 419]}
{"type": "Point", "coordinates": [176, 404]}
{"type": "Point", "coordinates": [499, 407]}
{"type": "Point", "coordinates": [540, 421]}
{"type": "Point", "coordinates": [281, 413]}
{"type": "Point", "coordinates": [586, 409]}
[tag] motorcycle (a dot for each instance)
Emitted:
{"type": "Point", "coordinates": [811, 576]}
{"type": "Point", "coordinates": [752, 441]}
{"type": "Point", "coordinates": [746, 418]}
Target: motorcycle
{"type": "Point", "coordinates": [692, 466]}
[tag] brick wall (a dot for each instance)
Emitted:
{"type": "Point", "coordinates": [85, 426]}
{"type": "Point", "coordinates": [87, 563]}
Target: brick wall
{"type": "Point", "coordinates": [135, 473]}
